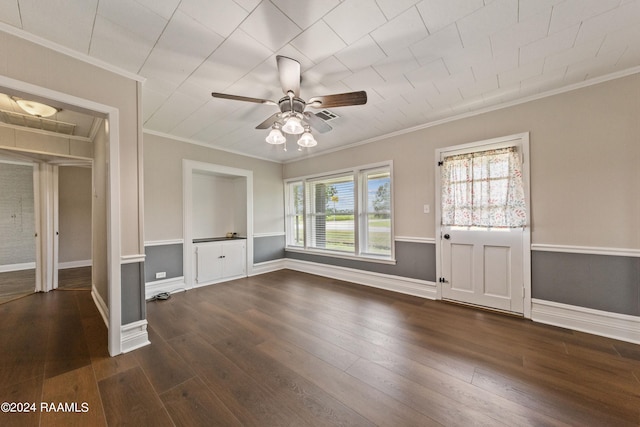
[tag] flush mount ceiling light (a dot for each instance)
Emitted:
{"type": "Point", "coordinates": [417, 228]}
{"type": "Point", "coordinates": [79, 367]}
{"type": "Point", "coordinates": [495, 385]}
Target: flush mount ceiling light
{"type": "Point", "coordinates": [292, 118]}
{"type": "Point", "coordinates": [36, 108]}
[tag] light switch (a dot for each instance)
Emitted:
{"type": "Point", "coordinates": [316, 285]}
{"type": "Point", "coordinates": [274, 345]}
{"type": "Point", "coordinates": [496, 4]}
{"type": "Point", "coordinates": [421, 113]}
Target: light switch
{"type": "Point", "coordinates": [427, 209]}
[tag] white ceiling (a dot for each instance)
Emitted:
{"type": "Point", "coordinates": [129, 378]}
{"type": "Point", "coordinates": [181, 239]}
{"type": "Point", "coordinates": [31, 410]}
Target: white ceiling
{"type": "Point", "coordinates": [419, 61]}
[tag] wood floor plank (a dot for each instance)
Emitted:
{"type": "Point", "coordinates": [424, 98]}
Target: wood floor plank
{"type": "Point", "coordinates": [367, 401]}
{"type": "Point", "coordinates": [310, 402]}
{"type": "Point", "coordinates": [247, 400]}
{"type": "Point", "coordinates": [192, 404]}
{"type": "Point", "coordinates": [78, 389]}
{"type": "Point", "coordinates": [29, 391]}
{"type": "Point", "coordinates": [129, 400]}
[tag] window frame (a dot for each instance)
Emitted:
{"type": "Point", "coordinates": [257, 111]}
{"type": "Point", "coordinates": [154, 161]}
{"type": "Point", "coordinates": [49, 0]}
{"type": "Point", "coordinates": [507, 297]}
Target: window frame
{"type": "Point", "coordinates": [359, 174]}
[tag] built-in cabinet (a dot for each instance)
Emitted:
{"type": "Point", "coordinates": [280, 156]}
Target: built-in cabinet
{"type": "Point", "coordinates": [219, 261]}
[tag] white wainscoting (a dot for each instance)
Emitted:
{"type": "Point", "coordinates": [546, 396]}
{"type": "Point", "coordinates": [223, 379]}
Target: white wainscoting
{"type": "Point", "coordinates": [591, 250]}
{"type": "Point", "coordinates": [171, 285]}
{"type": "Point", "coordinates": [612, 325]}
{"type": "Point", "coordinates": [75, 264]}
{"type": "Point", "coordinates": [17, 267]}
{"type": "Point", "coordinates": [100, 305]}
{"type": "Point", "coordinates": [404, 285]}
{"type": "Point", "coordinates": [134, 335]}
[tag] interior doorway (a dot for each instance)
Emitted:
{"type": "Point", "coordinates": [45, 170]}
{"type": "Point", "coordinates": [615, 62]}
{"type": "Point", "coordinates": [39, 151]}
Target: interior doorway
{"type": "Point", "coordinates": [482, 219]}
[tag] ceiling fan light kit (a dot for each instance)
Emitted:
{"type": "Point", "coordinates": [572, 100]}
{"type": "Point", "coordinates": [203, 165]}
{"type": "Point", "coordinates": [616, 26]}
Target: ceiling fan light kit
{"type": "Point", "coordinates": [292, 118]}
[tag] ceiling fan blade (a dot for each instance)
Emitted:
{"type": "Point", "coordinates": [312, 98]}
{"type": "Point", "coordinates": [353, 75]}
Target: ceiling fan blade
{"type": "Point", "coordinates": [316, 122]}
{"type": "Point", "coordinates": [289, 70]}
{"type": "Point", "coordinates": [269, 122]}
{"type": "Point", "coordinates": [242, 98]}
{"type": "Point", "coordinates": [338, 100]}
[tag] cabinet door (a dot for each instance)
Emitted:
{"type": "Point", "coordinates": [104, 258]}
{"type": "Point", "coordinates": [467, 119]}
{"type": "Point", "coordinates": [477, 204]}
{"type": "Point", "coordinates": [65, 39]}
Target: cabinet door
{"type": "Point", "coordinates": [235, 258]}
{"type": "Point", "coordinates": [209, 263]}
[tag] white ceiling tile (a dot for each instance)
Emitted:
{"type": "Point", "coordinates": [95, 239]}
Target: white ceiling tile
{"type": "Point", "coordinates": [361, 53]}
{"type": "Point", "coordinates": [549, 45]}
{"type": "Point", "coordinates": [621, 39]}
{"type": "Point", "coordinates": [237, 56]}
{"type": "Point", "coordinates": [394, 87]}
{"type": "Point", "coordinates": [183, 46]}
{"type": "Point", "coordinates": [595, 67]}
{"type": "Point", "coordinates": [608, 22]}
{"type": "Point", "coordinates": [524, 32]}
{"type": "Point", "coordinates": [10, 13]}
{"type": "Point", "coordinates": [502, 95]}
{"type": "Point", "coordinates": [575, 54]}
{"type": "Point", "coordinates": [393, 8]}
{"type": "Point", "coordinates": [67, 23]}
{"type": "Point", "coordinates": [248, 5]}
{"type": "Point", "coordinates": [116, 45]}
{"type": "Point", "coordinates": [572, 12]}
{"type": "Point", "coordinates": [492, 18]}
{"type": "Point", "coordinates": [270, 26]}
{"type": "Point", "coordinates": [174, 110]}
{"type": "Point", "coordinates": [401, 32]}
{"type": "Point", "coordinates": [164, 8]}
{"type": "Point", "coordinates": [399, 63]}
{"type": "Point", "coordinates": [306, 13]}
{"type": "Point", "coordinates": [318, 42]}
{"type": "Point", "coordinates": [472, 54]}
{"type": "Point", "coordinates": [479, 87]}
{"type": "Point", "coordinates": [363, 79]}
{"type": "Point", "coordinates": [328, 71]}
{"type": "Point", "coordinates": [133, 17]}
{"type": "Point", "coordinates": [455, 81]}
{"type": "Point", "coordinates": [529, 8]}
{"type": "Point", "coordinates": [496, 65]}
{"type": "Point", "coordinates": [221, 16]}
{"type": "Point", "coordinates": [355, 18]}
{"type": "Point", "coordinates": [516, 75]}
{"type": "Point", "coordinates": [438, 14]}
{"type": "Point", "coordinates": [201, 118]}
{"type": "Point", "coordinates": [428, 73]}
{"type": "Point", "coordinates": [437, 45]}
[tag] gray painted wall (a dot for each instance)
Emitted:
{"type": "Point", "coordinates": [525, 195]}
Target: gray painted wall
{"type": "Point", "coordinates": [167, 258]}
{"type": "Point", "coordinates": [414, 260]}
{"type": "Point", "coordinates": [600, 282]}
{"type": "Point", "coordinates": [268, 248]}
{"type": "Point", "coordinates": [133, 301]}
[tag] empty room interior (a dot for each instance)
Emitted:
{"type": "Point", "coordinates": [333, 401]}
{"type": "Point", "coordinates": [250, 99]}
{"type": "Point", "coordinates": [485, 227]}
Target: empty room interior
{"type": "Point", "coordinates": [323, 212]}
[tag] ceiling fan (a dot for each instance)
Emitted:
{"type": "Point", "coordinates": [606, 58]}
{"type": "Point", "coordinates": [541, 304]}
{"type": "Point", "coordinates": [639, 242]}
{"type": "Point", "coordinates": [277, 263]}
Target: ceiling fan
{"type": "Point", "coordinates": [292, 117]}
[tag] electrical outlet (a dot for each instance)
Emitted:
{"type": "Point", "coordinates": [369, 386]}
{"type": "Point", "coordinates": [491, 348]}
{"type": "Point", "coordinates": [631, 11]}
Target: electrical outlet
{"type": "Point", "coordinates": [427, 209]}
{"type": "Point", "coordinates": [161, 275]}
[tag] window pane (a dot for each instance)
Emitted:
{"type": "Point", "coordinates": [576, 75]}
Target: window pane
{"type": "Point", "coordinates": [330, 213]}
{"type": "Point", "coordinates": [377, 234]}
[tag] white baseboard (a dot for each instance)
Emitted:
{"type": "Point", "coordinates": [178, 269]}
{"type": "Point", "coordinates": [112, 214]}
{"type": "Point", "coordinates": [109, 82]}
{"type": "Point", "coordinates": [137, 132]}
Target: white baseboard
{"type": "Point", "coordinates": [171, 285]}
{"type": "Point", "coordinates": [134, 335]}
{"type": "Point", "coordinates": [403, 285]}
{"type": "Point", "coordinates": [17, 267]}
{"type": "Point", "coordinates": [75, 264]}
{"type": "Point", "coordinates": [268, 267]}
{"type": "Point", "coordinates": [100, 304]}
{"type": "Point", "coordinates": [612, 325]}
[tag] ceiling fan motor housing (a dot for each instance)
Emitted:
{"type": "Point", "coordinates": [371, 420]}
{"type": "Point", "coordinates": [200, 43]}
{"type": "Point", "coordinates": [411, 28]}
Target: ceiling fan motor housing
{"type": "Point", "coordinates": [288, 105]}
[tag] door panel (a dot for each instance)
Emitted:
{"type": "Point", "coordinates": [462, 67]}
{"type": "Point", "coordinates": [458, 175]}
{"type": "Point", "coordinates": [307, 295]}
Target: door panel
{"type": "Point", "coordinates": [483, 267]}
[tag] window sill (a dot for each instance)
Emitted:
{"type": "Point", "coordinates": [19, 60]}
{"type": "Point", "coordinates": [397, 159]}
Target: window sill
{"type": "Point", "coordinates": [332, 254]}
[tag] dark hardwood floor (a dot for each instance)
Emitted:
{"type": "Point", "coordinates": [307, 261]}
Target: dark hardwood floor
{"type": "Point", "coordinates": [17, 284]}
{"type": "Point", "coordinates": [288, 348]}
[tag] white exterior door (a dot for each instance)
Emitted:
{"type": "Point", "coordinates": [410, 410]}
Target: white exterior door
{"type": "Point", "coordinates": [483, 267]}
{"type": "Point", "coordinates": [480, 262]}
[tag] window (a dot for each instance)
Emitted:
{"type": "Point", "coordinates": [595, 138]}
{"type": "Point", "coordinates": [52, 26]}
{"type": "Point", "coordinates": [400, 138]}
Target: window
{"type": "Point", "coordinates": [346, 214]}
{"type": "Point", "coordinates": [483, 189]}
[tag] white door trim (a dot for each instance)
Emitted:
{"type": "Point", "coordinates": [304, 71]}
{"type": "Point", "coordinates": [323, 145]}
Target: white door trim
{"type": "Point", "coordinates": [113, 195]}
{"type": "Point", "coordinates": [521, 139]}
